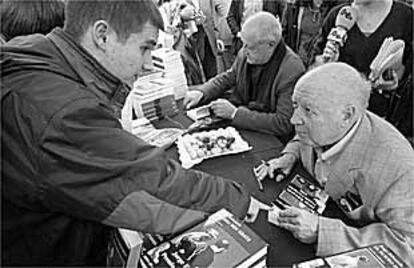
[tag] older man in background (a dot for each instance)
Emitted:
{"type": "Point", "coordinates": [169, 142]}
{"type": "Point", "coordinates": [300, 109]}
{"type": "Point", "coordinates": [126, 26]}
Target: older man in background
{"type": "Point", "coordinates": [262, 79]}
{"type": "Point", "coordinates": [363, 162]}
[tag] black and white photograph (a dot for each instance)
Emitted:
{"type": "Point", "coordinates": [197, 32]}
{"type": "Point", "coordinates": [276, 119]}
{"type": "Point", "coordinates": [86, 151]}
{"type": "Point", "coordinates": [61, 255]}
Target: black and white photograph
{"type": "Point", "coordinates": [207, 133]}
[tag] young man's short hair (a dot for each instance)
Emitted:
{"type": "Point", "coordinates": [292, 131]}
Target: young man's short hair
{"type": "Point", "coordinates": [124, 16]}
{"type": "Point", "coordinates": [24, 17]}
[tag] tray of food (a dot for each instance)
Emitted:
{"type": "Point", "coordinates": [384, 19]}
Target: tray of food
{"type": "Point", "coordinates": [196, 147]}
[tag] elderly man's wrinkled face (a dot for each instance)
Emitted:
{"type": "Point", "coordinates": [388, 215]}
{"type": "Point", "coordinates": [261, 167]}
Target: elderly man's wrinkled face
{"type": "Point", "coordinates": [257, 51]}
{"type": "Point", "coordinates": [316, 119]}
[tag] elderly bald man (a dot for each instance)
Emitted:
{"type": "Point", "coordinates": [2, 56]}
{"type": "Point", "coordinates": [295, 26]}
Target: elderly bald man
{"type": "Point", "coordinates": [362, 161]}
{"type": "Point", "coordinates": [262, 80]}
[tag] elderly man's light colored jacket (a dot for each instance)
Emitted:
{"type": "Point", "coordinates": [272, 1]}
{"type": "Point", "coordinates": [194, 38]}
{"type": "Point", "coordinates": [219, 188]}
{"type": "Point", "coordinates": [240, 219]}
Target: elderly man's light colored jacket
{"type": "Point", "coordinates": [377, 163]}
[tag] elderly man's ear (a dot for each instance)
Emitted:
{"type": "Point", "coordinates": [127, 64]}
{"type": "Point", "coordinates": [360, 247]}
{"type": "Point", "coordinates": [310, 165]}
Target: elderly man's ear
{"type": "Point", "coordinates": [272, 43]}
{"type": "Point", "coordinates": [349, 116]}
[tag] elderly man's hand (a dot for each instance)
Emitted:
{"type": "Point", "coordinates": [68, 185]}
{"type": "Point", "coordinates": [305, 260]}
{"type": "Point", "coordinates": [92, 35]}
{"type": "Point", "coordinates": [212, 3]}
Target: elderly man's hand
{"type": "Point", "coordinates": [223, 108]}
{"type": "Point", "coordinates": [303, 224]}
{"type": "Point", "coordinates": [254, 208]}
{"type": "Point", "coordinates": [281, 166]}
{"type": "Point", "coordinates": [192, 98]}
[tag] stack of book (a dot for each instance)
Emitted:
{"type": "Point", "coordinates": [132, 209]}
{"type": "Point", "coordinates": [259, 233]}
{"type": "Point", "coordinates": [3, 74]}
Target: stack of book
{"type": "Point", "coordinates": [153, 97]}
{"type": "Point", "coordinates": [169, 62]}
{"type": "Point", "coordinates": [220, 241]}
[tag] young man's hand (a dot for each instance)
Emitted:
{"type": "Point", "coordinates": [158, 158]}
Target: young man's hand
{"type": "Point", "coordinates": [254, 209]}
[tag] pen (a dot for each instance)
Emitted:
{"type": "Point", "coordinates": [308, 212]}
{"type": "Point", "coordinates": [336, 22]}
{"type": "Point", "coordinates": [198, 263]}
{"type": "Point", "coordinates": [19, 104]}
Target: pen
{"type": "Point", "coordinates": [260, 185]}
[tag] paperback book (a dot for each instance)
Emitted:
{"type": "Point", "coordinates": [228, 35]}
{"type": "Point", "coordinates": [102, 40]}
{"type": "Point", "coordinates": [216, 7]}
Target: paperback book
{"type": "Point", "coordinates": [378, 256]}
{"type": "Point", "coordinates": [220, 241]}
{"type": "Point", "coordinates": [300, 192]}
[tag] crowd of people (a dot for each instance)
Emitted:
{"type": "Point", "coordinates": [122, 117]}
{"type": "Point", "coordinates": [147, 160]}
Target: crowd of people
{"type": "Point", "coordinates": [70, 173]}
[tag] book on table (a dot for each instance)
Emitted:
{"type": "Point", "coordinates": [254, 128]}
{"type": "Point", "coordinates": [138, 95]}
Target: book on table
{"type": "Point", "coordinates": [378, 256]}
{"type": "Point", "coordinates": [221, 240]}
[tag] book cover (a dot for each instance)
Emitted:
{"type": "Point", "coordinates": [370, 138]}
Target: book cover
{"type": "Point", "coordinates": [124, 248]}
{"type": "Point", "coordinates": [378, 256]}
{"type": "Point", "coordinates": [300, 192]}
{"type": "Point", "coordinates": [220, 241]}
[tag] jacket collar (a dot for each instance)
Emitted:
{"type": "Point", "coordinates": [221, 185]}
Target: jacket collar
{"type": "Point", "coordinates": [340, 145]}
{"type": "Point", "coordinates": [89, 71]}
{"type": "Point", "coordinates": [350, 158]}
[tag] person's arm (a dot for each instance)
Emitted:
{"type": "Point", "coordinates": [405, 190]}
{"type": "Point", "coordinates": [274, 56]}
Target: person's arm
{"type": "Point", "coordinates": [278, 122]}
{"type": "Point", "coordinates": [279, 8]}
{"type": "Point", "coordinates": [322, 35]}
{"type": "Point", "coordinates": [218, 85]}
{"type": "Point", "coordinates": [102, 173]}
{"type": "Point", "coordinates": [293, 147]}
{"type": "Point", "coordinates": [232, 17]}
{"type": "Point", "coordinates": [395, 226]}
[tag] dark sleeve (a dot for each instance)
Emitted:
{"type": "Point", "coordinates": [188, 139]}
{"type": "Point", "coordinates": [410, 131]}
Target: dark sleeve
{"type": "Point", "coordinates": [322, 36]}
{"type": "Point", "coordinates": [232, 16]}
{"type": "Point", "coordinates": [280, 7]}
{"type": "Point", "coordinates": [278, 122]}
{"type": "Point", "coordinates": [218, 85]}
{"type": "Point", "coordinates": [102, 173]}
{"type": "Point", "coordinates": [408, 38]}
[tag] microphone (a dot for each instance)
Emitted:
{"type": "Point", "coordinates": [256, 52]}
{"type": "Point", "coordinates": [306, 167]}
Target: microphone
{"type": "Point", "coordinates": [337, 37]}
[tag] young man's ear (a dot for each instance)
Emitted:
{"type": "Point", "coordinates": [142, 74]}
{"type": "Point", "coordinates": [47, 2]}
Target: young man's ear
{"type": "Point", "coordinates": [100, 33]}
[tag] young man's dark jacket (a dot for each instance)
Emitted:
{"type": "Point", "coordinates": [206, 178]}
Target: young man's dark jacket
{"type": "Point", "coordinates": [69, 169]}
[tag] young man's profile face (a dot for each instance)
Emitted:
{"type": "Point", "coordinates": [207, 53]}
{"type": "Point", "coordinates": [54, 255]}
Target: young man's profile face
{"type": "Point", "coordinates": [127, 59]}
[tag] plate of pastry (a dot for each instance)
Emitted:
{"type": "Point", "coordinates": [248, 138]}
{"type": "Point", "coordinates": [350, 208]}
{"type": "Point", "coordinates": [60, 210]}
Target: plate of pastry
{"type": "Point", "coordinates": [196, 147]}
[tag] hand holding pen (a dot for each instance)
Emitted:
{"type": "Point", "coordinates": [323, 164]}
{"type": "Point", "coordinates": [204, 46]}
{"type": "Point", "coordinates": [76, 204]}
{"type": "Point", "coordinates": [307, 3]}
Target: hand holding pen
{"type": "Point", "coordinates": [260, 172]}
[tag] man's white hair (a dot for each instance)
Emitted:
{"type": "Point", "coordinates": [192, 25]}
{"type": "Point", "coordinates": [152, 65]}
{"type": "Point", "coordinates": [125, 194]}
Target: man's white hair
{"type": "Point", "coordinates": [265, 26]}
{"type": "Point", "coordinates": [340, 83]}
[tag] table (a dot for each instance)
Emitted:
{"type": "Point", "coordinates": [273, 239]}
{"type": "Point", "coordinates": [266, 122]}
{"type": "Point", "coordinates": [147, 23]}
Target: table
{"type": "Point", "coordinates": [284, 250]}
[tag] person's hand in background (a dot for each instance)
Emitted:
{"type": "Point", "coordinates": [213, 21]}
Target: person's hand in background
{"type": "Point", "coordinates": [192, 98]}
{"type": "Point", "coordinates": [388, 84]}
{"type": "Point", "coordinates": [223, 108]}
{"type": "Point", "coordinates": [330, 54]}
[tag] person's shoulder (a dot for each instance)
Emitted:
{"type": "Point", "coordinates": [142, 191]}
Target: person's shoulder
{"type": "Point", "coordinates": [403, 8]}
{"type": "Point", "coordinates": [292, 63]}
{"type": "Point", "coordinates": [387, 140]}
{"type": "Point", "coordinates": [335, 10]}
{"type": "Point", "coordinates": [381, 153]}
